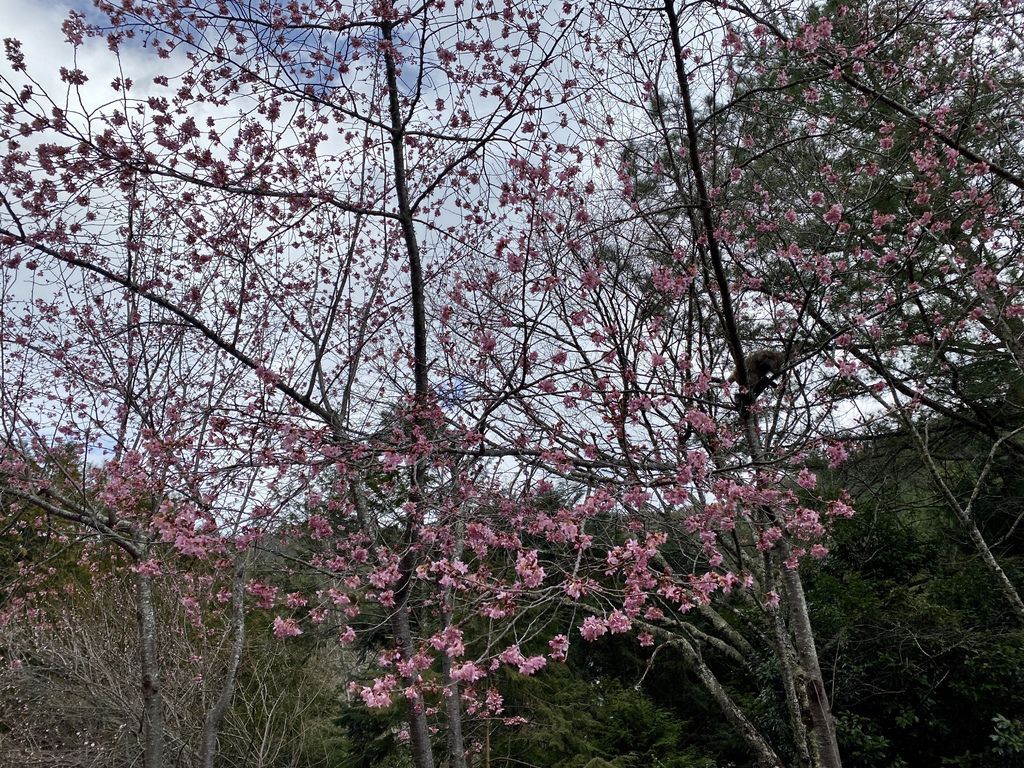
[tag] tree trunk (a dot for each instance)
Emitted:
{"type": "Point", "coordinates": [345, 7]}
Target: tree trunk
{"type": "Point", "coordinates": [822, 728]}
{"type": "Point", "coordinates": [796, 703]}
{"type": "Point", "coordinates": [215, 716]}
{"type": "Point", "coordinates": [453, 711]}
{"type": "Point", "coordinates": [152, 703]}
{"type": "Point", "coordinates": [453, 700]}
{"type": "Point", "coordinates": [419, 733]}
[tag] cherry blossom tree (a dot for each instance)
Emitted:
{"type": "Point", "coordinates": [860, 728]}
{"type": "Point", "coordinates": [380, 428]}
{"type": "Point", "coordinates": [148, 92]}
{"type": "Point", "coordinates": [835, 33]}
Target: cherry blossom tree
{"type": "Point", "coordinates": [268, 205]}
{"type": "Point", "coordinates": [921, 234]}
{"type": "Point", "coordinates": [462, 300]}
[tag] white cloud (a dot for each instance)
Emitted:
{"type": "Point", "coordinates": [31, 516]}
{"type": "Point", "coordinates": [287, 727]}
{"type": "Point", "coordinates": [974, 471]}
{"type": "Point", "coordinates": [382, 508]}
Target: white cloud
{"type": "Point", "coordinates": [37, 25]}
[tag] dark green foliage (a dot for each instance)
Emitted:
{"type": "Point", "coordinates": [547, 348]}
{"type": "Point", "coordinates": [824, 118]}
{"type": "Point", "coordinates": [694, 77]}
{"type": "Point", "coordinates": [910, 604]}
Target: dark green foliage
{"type": "Point", "coordinates": [924, 653]}
{"type": "Point", "coordinates": [577, 721]}
{"type": "Point", "coordinates": [376, 735]}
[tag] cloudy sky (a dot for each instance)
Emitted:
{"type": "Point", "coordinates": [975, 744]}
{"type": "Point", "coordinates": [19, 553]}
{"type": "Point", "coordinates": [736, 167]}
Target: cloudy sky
{"type": "Point", "coordinates": [37, 24]}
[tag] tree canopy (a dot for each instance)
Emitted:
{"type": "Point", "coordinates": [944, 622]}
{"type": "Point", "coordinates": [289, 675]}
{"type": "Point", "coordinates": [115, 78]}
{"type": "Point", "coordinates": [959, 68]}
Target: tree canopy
{"type": "Point", "coordinates": [513, 369]}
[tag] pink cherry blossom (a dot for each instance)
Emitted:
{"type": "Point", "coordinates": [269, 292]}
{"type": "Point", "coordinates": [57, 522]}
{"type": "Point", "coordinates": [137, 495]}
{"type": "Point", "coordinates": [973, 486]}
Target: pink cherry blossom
{"type": "Point", "coordinates": [592, 628]}
{"type": "Point", "coordinates": [286, 627]}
